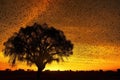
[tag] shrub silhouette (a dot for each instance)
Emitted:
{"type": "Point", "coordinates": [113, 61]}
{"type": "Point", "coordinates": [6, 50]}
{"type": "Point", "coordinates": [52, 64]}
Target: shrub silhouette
{"type": "Point", "coordinates": [39, 45]}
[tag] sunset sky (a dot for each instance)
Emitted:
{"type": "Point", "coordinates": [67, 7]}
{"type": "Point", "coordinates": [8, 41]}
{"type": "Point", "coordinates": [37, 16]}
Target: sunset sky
{"type": "Point", "coordinates": [93, 26]}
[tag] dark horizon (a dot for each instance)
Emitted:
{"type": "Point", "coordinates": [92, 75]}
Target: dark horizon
{"type": "Point", "coordinates": [61, 75]}
{"type": "Point", "coordinates": [116, 70]}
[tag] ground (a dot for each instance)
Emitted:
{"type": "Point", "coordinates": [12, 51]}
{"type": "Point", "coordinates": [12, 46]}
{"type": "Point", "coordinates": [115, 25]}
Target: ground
{"type": "Point", "coordinates": [60, 75]}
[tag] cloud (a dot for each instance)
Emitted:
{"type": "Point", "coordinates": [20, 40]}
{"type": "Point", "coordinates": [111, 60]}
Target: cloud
{"type": "Point", "coordinates": [15, 14]}
{"type": "Point", "coordinates": [92, 22]}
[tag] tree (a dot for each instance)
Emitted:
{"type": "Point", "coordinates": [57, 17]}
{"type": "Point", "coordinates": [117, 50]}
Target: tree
{"type": "Point", "coordinates": [39, 45]}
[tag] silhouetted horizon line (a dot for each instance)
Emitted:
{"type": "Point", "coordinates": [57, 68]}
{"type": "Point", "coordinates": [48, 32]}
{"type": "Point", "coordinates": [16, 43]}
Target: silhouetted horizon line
{"type": "Point", "coordinates": [115, 70]}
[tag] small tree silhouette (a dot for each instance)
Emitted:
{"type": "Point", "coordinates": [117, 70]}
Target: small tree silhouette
{"type": "Point", "coordinates": [39, 45]}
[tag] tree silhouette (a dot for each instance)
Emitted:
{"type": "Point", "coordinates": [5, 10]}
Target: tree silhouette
{"type": "Point", "coordinates": [39, 45]}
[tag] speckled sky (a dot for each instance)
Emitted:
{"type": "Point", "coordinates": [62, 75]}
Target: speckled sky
{"type": "Point", "coordinates": [92, 25]}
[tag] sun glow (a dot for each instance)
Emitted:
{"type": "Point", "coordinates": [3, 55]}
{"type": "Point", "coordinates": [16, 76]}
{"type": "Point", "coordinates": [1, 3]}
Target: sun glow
{"type": "Point", "coordinates": [85, 57]}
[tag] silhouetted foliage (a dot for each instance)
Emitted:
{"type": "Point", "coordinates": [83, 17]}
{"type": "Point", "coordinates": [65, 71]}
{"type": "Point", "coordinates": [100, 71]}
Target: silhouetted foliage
{"type": "Point", "coordinates": [39, 45]}
{"type": "Point", "coordinates": [8, 70]}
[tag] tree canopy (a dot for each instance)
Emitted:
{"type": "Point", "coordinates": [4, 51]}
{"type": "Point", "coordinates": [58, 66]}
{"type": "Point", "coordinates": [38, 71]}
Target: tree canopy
{"type": "Point", "coordinates": [38, 44]}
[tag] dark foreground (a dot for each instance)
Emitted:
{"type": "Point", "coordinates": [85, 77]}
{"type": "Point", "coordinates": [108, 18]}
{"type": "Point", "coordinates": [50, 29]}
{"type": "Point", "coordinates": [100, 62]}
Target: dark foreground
{"type": "Point", "coordinates": [60, 75]}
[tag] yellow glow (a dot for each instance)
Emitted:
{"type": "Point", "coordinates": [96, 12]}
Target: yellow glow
{"type": "Point", "coordinates": [86, 57]}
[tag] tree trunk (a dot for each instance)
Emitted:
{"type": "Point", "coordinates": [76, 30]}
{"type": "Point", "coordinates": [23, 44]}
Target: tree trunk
{"type": "Point", "coordinates": [39, 73]}
{"type": "Point", "coordinates": [40, 67]}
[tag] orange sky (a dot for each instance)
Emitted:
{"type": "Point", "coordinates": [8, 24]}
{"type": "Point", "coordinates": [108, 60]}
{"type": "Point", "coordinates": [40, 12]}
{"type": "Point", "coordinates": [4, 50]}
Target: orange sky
{"type": "Point", "coordinates": [93, 27]}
